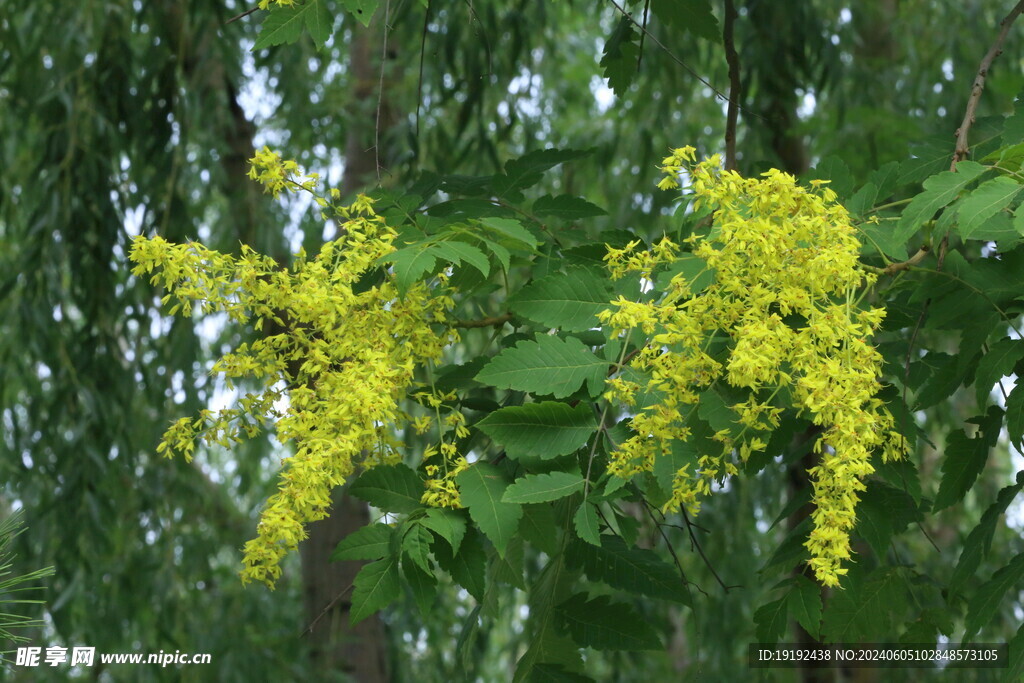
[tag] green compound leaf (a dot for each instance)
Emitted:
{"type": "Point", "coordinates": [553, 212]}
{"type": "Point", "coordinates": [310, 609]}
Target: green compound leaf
{"type": "Point", "coordinates": [964, 461]}
{"type": "Point", "coordinates": [988, 199]}
{"type": "Point", "coordinates": [375, 587]}
{"type": "Point", "coordinates": [636, 570]}
{"type": "Point", "coordinates": [982, 609]}
{"type": "Point", "coordinates": [979, 541]}
{"type": "Point", "coordinates": [541, 488]}
{"type": "Point", "coordinates": [448, 524]}
{"type": "Point", "coordinates": [605, 625]}
{"type": "Point", "coordinates": [546, 430]}
{"type": "Point", "coordinates": [391, 488]}
{"type": "Point", "coordinates": [481, 488]}
{"type": "Point", "coordinates": [586, 524]}
{"type": "Point", "coordinates": [940, 190]}
{"type": "Point", "coordinates": [566, 207]}
{"type": "Point", "coordinates": [369, 543]}
{"type": "Point", "coordinates": [569, 301]}
{"type": "Point", "coordinates": [362, 10]}
{"type": "Point", "coordinates": [549, 365]}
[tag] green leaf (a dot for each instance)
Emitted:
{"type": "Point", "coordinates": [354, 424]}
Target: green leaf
{"type": "Point", "coordinates": [548, 365]}
{"type": "Point", "coordinates": [566, 207]}
{"type": "Point", "coordinates": [569, 301]}
{"type": "Point", "coordinates": [979, 541]}
{"type": "Point", "coordinates": [988, 199]}
{"type": "Point", "coordinates": [771, 619]}
{"type": "Point", "coordinates": [500, 253]}
{"type": "Point", "coordinates": [481, 488]}
{"type": "Point", "coordinates": [586, 524]}
{"type": "Point", "coordinates": [410, 264]}
{"type": "Point", "coordinates": [422, 584]}
{"type": "Point", "coordinates": [1014, 671]}
{"type": "Point", "coordinates": [882, 239]}
{"type": "Point", "coordinates": [457, 252]}
{"type": "Point", "coordinates": [981, 609]}
{"type": "Point", "coordinates": [964, 461]}
{"type": "Point", "coordinates": [375, 587]}
{"type": "Point", "coordinates": [448, 524]}
{"type": "Point", "coordinates": [834, 170]}
{"type": "Point", "coordinates": [804, 604]}
{"type": "Point", "coordinates": [362, 10]}
{"type": "Point", "coordinates": [545, 430]}
{"type": "Point", "coordinates": [619, 59]}
{"type": "Point", "coordinates": [635, 570]}
{"type": "Point", "coordinates": [369, 543]}
{"type": "Point", "coordinates": [1015, 415]}
{"type": "Point", "coordinates": [694, 269]}
{"type": "Point", "coordinates": [996, 364]}
{"type": "Point", "coordinates": [932, 156]}
{"type": "Point", "coordinates": [940, 190]}
{"type": "Point", "coordinates": [605, 625]}
{"type": "Point", "coordinates": [691, 16]}
{"type": "Point", "coordinates": [416, 546]}
{"type": "Point", "coordinates": [282, 25]}
{"type": "Point", "coordinates": [319, 21]}
{"type": "Point", "coordinates": [860, 613]}
{"type": "Point", "coordinates": [390, 488]}
{"type": "Point", "coordinates": [527, 170]}
{"type": "Point", "coordinates": [538, 527]}
{"type": "Point", "coordinates": [882, 512]}
{"type": "Point", "coordinates": [511, 229]}
{"type": "Point", "coordinates": [468, 567]}
{"type": "Point", "coordinates": [542, 488]}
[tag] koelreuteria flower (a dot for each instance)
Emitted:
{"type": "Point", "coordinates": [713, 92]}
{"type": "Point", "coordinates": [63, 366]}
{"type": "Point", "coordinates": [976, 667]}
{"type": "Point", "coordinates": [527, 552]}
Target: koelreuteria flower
{"type": "Point", "coordinates": [780, 253]}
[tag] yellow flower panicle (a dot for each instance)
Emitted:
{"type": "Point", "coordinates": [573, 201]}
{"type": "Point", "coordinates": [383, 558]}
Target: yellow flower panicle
{"type": "Point", "coordinates": [345, 359]}
{"type": "Point", "coordinates": [276, 174]}
{"type": "Point", "coordinates": [777, 250]}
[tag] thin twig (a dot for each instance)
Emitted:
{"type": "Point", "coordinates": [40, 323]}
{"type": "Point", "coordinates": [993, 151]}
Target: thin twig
{"type": "Point", "coordinates": [643, 34]}
{"type": "Point", "coordinates": [676, 59]}
{"type": "Point", "coordinates": [962, 148]}
{"type": "Point", "coordinates": [894, 268]}
{"type": "Point", "coordinates": [243, 15]}
{"type": "Point", "coordinates": [733, 60]}
{"type": "Point", "coordinates": [492, 321]}
{"type": "Point", "coordinates": [672, 551]}
{"type": "Point", "coordinates": [380, 91]}
{"type": "Point", "coordinates": [326, 609]}
{"type": "Point", "coordinates": [419, 82]}
{"type": "Point", "coordinates": [696, 543]}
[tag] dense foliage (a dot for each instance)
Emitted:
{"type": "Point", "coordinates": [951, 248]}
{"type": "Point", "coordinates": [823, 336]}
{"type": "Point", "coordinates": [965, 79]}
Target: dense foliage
{"type": "Point", "coordinates": [593, 418]}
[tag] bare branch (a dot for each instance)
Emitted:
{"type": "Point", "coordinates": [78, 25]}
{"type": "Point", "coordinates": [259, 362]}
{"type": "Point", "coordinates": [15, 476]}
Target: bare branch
{"type": "Point", "coordinates": [962, 148]}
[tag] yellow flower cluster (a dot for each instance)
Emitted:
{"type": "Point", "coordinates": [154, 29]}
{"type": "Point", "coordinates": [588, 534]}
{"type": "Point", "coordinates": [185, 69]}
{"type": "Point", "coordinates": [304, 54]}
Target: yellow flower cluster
{"type": "Point", "coordinates": [440, 489]}
{"type": "Point", "coordinates": [345, 357]}
{"type": "Point", "coordinates": [783, 303]}
{"type": "Point", "coordinates": [264, 4]}
{"type": "Point", "coordinates": [275, 174]}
